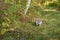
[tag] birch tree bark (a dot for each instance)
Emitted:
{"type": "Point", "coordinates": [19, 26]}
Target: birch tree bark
{"type": "Point", "coordinates": [27, 6]}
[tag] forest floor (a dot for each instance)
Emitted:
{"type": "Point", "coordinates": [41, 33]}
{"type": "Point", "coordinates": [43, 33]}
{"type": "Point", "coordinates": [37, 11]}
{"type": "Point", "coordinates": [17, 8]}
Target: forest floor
{"type": "Point", "coordinates": [49, 30]}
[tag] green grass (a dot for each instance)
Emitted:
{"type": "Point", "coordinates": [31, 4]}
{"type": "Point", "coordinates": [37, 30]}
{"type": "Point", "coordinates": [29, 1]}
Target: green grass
{"type": "Point", "coordinates": [49, 30]}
